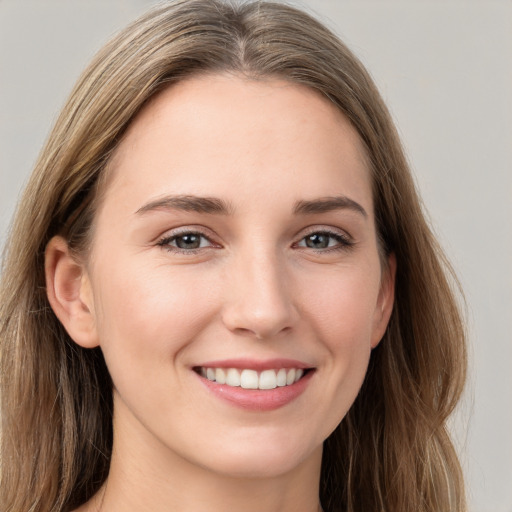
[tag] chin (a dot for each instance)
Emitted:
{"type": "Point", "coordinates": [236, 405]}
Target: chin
{"type": "Point", "coordinates": [263, 459]}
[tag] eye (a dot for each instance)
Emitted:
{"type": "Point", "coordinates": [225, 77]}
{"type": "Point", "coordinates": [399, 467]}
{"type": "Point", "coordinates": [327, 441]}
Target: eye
{"type": "Point", "coordinates": [321, 240]}
{"type": "Point", "coordinates": [185, 241]}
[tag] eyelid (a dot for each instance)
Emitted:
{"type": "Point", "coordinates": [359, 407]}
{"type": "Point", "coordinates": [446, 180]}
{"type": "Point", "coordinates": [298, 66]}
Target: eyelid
{"type": "Point", "coordinates": [320, 228]}
{"type": "Point", "coordinates": [345, 239]}
{"type": "Point", "coordinates": [164, 240]}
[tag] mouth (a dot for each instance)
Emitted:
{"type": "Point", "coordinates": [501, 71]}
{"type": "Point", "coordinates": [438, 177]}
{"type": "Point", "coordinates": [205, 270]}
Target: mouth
{"type": "Point", "coordinates": [255, 386]}
{"type": "Point", "coordinates": [247, 378]}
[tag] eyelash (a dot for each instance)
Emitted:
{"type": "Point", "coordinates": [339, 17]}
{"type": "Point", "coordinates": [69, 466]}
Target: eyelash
{"type": "Point", "coordinates": [168, 240]}
{"type": "Point", "coordinates": [344, 242]}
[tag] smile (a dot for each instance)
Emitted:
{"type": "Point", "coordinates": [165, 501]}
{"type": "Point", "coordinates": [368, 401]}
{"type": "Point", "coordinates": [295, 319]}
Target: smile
{"type": "Point", "coordinates": [252, 379]}
{"type": "Point", "coordinates": [256, 385]}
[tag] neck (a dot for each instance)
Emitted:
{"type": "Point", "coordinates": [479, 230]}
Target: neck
{"type": "Point", "coordinates": [147, 476]}
{"type": "Point", "coordinates": [193, 490]}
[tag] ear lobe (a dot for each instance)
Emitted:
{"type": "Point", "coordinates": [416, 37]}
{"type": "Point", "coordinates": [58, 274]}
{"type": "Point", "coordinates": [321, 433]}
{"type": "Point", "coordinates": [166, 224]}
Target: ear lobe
{"type": "Point", "coordinates": [69, 293]}
{"type": "Point", "coordinates": [385, 301]}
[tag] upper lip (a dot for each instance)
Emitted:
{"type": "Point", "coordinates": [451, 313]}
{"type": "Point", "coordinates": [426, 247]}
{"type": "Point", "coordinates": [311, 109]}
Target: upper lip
{"type": "Point", "coordinates": [254, 364]}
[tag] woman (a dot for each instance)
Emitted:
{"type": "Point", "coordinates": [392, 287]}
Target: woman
{"type": "Point", "coordinates": [220, 289]}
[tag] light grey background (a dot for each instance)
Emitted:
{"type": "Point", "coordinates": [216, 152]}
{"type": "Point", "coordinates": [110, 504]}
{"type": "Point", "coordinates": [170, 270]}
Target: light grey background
{"type": "Point", "coordinates": [445, 69]}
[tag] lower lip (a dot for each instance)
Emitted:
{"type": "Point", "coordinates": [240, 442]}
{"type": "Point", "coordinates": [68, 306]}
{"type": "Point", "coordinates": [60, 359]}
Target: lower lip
{"type": "Point", "coordinates": [258, 399]}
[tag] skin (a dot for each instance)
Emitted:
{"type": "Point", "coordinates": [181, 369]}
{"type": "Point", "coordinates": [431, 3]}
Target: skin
{"type": "Point", "coordinates": [254, 289]}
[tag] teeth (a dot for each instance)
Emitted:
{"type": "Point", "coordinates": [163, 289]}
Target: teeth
{"type": "Point", "coordinates": [220, 376]}
{"type": "Point", "coordinates": [268, 379]}
{"type": "Point", "coordinates": [251, 379]}
{"type": "Point", "coordinates": [233, 378]}
{"type": "Point", "coordinates": [281, 377]}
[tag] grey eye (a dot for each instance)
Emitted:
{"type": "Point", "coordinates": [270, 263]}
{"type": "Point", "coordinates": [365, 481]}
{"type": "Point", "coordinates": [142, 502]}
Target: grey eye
{"type": "Point", "coordinates": [318, 240]}
{"type": "Point", "coordinates": [189, 241]}
{"type": "Point", "coordinates": [323, 240]}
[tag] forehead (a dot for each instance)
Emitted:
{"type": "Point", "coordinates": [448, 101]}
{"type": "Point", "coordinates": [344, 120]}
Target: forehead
{"type": "Point", "coordinates": [220, 134]}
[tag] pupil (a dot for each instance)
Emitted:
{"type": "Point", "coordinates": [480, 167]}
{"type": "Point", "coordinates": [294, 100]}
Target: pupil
{"type": "Point", "coordinates": [188, 241]}
{"type": "Point", "coordinates": [317, 241]}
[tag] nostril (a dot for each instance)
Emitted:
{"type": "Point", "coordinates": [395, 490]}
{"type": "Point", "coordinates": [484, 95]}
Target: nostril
{"type": "Point", "coordinates": [259, 326]}
{"type": "Point", "coordinates": [259, 307]}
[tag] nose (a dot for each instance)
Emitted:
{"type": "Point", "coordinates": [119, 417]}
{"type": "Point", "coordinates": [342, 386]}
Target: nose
{"type": "Point", "coordinates": [258, 298]}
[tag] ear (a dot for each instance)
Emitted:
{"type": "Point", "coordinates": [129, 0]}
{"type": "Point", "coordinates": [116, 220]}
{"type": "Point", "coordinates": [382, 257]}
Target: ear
{"type": "Point", "coordinates": [69, 292]}
{"type": "Point", "coordinates": [385, 300]}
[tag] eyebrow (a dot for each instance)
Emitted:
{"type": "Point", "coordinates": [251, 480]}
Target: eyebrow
{"type": "Point", "coordinates": [188, 203]}
{"type": "Point", "coordinates": [328, 204]}
{"type": "Point", "coordinates": [214, 205]}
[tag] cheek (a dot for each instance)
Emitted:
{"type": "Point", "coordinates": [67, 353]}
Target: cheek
{"type": "Point", "coordinates": [342, 306]}
{"type": "Point", "coordinates": [147, 318]}
{"type": "Point", "coordinates": [145, 312]}
{"type": "Point", "coordinates": [341, 311]}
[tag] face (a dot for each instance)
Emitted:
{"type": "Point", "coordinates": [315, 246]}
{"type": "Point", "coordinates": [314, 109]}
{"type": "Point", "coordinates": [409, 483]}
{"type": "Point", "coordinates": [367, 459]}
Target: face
{"type": "Point", "coordinates": [234, 280]}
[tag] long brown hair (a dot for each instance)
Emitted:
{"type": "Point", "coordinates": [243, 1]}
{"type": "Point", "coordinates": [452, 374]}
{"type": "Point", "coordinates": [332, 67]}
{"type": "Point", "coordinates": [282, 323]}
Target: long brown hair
{"type": "Point", "coordinates": [392, 451]}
